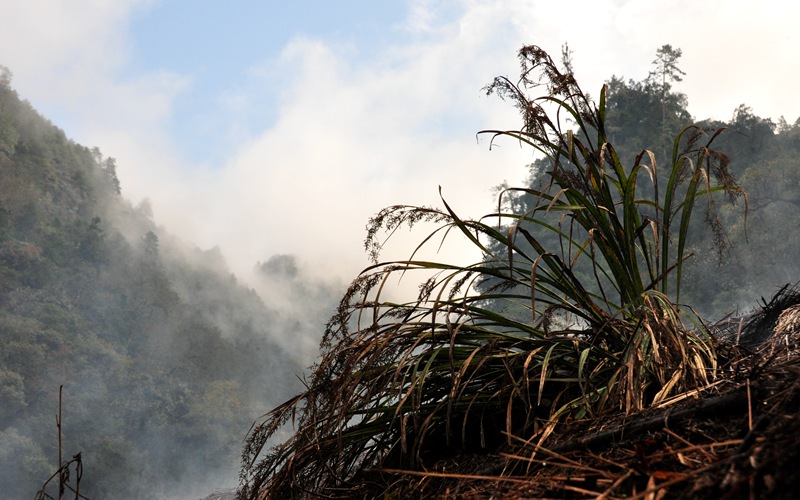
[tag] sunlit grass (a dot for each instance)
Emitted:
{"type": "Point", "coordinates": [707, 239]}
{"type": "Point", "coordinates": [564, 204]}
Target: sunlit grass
{"type": "Point", "coordinates": [398, 383]}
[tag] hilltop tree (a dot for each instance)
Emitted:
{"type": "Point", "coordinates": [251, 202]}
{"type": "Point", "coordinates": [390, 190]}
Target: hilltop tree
{"type": "Point", "coordinates": [667, 70]}
{"type": "Point", "coordinates": [666, 73]}
{"type": "Point", "coordinates": [5, 77]}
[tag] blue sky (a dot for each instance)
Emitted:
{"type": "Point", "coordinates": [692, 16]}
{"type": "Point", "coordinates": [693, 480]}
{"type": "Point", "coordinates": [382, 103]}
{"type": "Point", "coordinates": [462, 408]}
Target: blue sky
{"type": "Point", "coordinates": [267, 127]}
{"type": "Point", "coordinates": [217, 43]}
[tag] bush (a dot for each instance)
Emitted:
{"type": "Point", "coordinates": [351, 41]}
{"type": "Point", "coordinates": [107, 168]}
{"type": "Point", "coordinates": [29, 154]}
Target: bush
{"type": "Point", "coordinates": [603, 329]}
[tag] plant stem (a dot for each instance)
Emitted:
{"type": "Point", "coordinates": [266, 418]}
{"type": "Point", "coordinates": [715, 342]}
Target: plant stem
{"type": "Point", "coordinates": [58, 425]}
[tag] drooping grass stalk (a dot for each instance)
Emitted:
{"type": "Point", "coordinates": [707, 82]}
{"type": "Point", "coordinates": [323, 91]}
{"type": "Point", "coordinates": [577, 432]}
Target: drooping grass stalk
{"type": "Point", "coordinates": [398, 382]}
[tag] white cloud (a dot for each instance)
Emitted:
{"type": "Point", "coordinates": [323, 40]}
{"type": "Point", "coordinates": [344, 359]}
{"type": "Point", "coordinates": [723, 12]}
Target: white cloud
{"type": "Point", "coordinates": [69, 59]}
{"type": "Point", "coordinates": [57, 47]}
{"type": "Point", "coordinates": [350, 140]}
{"type": "Point", "coordinates": [350, 135]}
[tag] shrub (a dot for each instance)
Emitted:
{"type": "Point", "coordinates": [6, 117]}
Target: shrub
{"type": "Point", "coordinates": [398, 382]}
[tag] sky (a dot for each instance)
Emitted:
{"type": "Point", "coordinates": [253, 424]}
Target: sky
{"type": "Point", "coordinates": [266, 127]}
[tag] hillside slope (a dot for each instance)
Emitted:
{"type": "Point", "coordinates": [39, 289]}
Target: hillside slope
{"type": "Point", "coordinates": [165, 359]}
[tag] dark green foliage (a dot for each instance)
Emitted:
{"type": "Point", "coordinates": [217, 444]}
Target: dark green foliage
{"type": "Point", "coordinates": [639, 114]}
{"type": "Point", "coordinates": [763, 252]}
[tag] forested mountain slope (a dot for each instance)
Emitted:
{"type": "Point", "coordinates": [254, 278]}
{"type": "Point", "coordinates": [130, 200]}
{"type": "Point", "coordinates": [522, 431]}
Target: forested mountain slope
{"type": "Point", "coordinates": [165, 360]}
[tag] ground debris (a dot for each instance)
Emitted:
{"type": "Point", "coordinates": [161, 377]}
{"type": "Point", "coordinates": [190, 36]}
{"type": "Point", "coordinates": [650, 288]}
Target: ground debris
{"type": "Point", "coordinates": [739, 437]}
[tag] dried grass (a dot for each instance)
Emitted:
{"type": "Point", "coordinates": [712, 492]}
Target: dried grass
{"type": "Point", "coordinates": [402, 385]}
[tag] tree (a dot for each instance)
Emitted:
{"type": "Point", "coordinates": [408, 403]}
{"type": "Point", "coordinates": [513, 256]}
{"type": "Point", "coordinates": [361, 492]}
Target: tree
{"type": "Point", "coordinates": [5, 77]}
{"type": "Point", "coordinates": [665, 73]}
{"type": "Point", "coordinates": [634, 106]}
{"type": "Point", "coordinates": [150, 244]}
{"type": "Point", "coordinates": [667, 70]}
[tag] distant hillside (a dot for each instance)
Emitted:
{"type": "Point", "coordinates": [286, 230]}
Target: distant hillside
{"type": "Point", "coordinates": [165, 358]}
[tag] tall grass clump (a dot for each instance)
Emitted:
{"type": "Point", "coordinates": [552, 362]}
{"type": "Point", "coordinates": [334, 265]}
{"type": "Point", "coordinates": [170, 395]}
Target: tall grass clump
{"type": "Point", "coordinates": [400, 383]}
